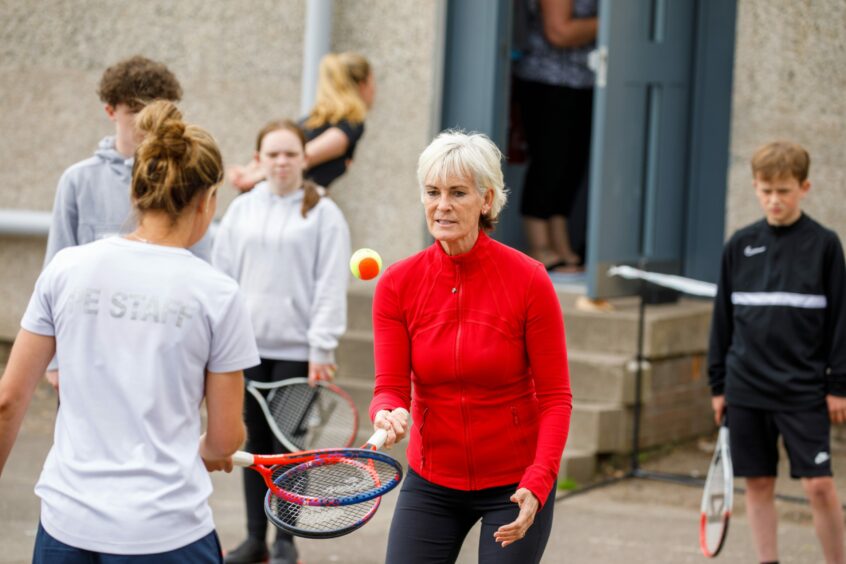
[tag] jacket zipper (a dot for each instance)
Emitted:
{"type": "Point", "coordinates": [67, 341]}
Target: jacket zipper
{"type": "Point", "coordinates": [465, 422]}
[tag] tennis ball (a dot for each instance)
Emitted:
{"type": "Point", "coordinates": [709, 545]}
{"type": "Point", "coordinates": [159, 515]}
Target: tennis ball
{"type": "Point", "coordinates": [365, 264]}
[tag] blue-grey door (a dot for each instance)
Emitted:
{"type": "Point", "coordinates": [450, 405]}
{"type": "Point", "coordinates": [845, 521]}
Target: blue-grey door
{"type": "Point", "coordinates": [640, 132]}
{"type": "Point", "coordinates": [476, 67]}
{"type": "Point", "coordinates": [661, 111]}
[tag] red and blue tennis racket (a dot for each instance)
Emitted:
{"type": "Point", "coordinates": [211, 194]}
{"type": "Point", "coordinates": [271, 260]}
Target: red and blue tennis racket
{"type": "Point", "coordinates": [328, 492]}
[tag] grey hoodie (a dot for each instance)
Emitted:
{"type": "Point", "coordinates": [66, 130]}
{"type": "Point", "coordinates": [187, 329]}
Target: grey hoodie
{"type": "Point", "coordinates": [92, 202]}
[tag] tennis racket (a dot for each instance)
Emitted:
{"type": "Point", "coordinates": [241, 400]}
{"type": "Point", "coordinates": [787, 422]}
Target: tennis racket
{"type": "Point", "coordinates": [307, 417]}
{"type": "Point", "coordinates": [717, 498]}
{"type": "Point", "coordinates": [325, 493]}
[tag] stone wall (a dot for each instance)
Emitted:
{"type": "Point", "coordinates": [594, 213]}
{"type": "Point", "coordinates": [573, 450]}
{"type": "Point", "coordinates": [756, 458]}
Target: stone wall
{"type": "Point", "coordinates": [239, 65]}
{"type": "Point", "coordinates": [789, 80]}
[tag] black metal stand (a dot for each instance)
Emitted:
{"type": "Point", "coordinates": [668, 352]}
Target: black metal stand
{"type": "Point", "coordinates": [635, 471]}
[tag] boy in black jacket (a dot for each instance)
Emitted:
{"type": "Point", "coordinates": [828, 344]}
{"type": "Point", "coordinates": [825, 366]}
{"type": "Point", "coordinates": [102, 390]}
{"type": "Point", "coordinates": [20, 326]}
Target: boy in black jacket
{"type": "Point", "coordinates": [777, 358]}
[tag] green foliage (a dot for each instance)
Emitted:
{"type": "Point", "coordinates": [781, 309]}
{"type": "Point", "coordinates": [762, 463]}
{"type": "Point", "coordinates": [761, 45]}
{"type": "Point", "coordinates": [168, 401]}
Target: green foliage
{"type": "Point", "coordinates": [566, 484]}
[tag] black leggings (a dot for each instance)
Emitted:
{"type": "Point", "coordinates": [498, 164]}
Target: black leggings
{"type": "Point", "coordinates": [261, 440]}
{"type": "Point", "coordinates": [430, 523]}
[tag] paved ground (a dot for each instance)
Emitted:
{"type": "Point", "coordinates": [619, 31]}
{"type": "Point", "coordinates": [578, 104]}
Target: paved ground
{"type": "Point", "coordinates": [634, 521]}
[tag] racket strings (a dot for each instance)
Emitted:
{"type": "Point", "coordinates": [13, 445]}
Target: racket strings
{"type": "Point", "coordinates": [312, 418]}
{"type": "Point", "coordinates": [334, 480]}
{"type": "Point", "coordinates": [311, 520]}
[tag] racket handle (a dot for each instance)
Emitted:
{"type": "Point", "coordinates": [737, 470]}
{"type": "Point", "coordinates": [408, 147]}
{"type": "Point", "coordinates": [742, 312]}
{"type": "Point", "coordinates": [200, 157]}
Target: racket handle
{"type": "Point", "coordinates": [377, 439]}
{"type": "Point", "coordinates": [242, 458]}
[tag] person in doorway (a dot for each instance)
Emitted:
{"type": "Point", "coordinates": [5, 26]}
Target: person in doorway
{"type": "Point", "coordinates": [777, 357]}
{"type": "Point", "coordinates": [288, 247]}
{"type": "Point", "coordinates": [469, 333]}
{"type": "Point", "coordinates": [346, 89]}
{"type": "Point", "coordinates": [555, 91]}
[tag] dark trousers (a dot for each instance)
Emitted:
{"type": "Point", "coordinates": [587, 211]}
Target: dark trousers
{"type": "Point", "coordinates": [261, 440]}
{"type": "Point", "coordinates": [557, 123]}
{"type": "Point", "coordinates": [49, 550]}
{"type": "Point", "coordinates": [430, 523]}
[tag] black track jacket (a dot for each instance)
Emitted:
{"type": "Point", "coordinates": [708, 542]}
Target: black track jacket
{"type": "Point", "coordinates": [778, 336]}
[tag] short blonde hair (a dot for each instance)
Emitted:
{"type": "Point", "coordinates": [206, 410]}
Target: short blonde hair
{"type": "Point", "coordinates": [779, 159]}
{"type": "Point", "coordinates": [454, 153]}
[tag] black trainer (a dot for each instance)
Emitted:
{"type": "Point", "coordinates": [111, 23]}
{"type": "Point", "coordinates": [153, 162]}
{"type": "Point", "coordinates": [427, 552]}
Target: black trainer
{"type": "Point", "coordinates": [284, 552]}
{"type": "Point", "coordinates": [248, 552]}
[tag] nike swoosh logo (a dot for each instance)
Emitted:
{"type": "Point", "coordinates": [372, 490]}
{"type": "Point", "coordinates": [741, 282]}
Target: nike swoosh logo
{"type": "Point", "coordinates": [750, 251]}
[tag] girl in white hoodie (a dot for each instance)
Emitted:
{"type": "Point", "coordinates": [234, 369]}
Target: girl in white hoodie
{"type": "Point", "coordinates": [288, 248]}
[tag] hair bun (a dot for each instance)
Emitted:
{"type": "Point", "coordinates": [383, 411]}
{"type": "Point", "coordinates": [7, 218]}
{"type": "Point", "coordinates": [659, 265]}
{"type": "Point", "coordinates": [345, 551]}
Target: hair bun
{"type": "Point", "coordinates": [164, 128]}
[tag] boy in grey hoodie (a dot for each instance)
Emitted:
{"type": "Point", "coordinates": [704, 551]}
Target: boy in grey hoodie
{"type": "Point", "coordinates": [92, 198]}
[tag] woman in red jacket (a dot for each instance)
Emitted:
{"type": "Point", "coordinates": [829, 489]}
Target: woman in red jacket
{"type": "Point", "coordinates": [469, 334]}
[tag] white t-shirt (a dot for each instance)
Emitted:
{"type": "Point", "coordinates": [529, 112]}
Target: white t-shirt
{"type": "Point", "coordinates": [136, 327]}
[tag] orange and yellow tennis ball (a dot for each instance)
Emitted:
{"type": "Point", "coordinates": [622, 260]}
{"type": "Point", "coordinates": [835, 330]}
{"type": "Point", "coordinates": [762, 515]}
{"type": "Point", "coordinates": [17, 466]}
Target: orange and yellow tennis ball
{"type": "Point", "coordinates": [365, 264]}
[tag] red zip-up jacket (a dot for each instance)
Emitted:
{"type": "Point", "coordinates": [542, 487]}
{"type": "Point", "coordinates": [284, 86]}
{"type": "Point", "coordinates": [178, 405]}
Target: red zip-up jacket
{"type": "Point", "coordinates": [481, 338]}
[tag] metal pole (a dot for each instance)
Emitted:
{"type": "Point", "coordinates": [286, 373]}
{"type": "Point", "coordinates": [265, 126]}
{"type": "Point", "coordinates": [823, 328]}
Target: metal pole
{"type": "Point", "coordinates": [24, 223]}
{"type": "Point", "coordinates": [317, 41]}
{"type": "Point", "coordinates": [638, 404]}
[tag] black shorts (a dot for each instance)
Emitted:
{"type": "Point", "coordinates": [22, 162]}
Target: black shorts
{"type": "Point", "coordinates": [754, 441]}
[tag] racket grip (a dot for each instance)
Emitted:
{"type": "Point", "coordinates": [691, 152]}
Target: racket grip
{"type": "Point", "coordinates": [380, 436]}
{"type": "Point", "coordinates": [242, 458]}
{"type": "Point", "coordinates": [377, 439]}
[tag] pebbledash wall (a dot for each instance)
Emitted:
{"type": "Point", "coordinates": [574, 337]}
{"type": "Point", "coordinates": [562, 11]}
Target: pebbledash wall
{"type": "Point", "coordinates": [789, 80]}
{"type": "Point", "coordinates": [240, 66]}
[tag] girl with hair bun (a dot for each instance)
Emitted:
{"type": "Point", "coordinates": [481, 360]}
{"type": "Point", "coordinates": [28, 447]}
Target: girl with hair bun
{"type": "Point", "coordinates": [288, 249]}
{"type": "Point", "coordinates": [345, 93]}
{"type": "Point", "coordinates": [144, 333]}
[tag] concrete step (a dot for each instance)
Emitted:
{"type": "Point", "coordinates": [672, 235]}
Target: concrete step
{"type": "Point", "coordinates": [601, 377]}
{"type": "Point", "coordinates": [598, 427]}
{"type": "Point", "coordinates": [354, 355]}
{"type": "Point", "coordinates": [359, 307]}
{"type": "Point", "coordinates": [669, 330]}
{"type": "Point", "coordinates": [577, 465]}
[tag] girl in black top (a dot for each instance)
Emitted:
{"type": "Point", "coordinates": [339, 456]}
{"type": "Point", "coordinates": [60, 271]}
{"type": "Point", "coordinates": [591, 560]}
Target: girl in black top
{"type": "Point", "coordinates": [345, 92]}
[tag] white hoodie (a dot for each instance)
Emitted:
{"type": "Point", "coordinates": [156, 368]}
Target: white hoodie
{"type": "Point", "coordinates": [292, 271]}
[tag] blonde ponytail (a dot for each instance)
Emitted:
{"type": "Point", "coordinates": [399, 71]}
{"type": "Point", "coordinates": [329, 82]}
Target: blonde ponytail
{"type": "Point", "coordinates": [338, 97]}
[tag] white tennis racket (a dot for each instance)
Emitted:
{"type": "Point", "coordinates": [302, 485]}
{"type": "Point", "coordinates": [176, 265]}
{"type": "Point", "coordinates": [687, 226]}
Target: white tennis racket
{"type": "Point", "coordinates": [307, 417]}
{"type": "Point", "coordinates": [717, 498]}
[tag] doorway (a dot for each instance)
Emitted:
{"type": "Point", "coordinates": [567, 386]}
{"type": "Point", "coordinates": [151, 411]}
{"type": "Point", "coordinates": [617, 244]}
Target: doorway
{"type": "Point", "coordinates": [655, 196]}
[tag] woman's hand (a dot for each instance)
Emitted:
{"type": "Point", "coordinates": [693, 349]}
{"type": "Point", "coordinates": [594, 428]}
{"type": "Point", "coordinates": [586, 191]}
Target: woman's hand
{"type": "Point", "coordinates": [512, 532]}
{"type": "Point", "coordinates": [320, 371]}
{"type": "Point", "coordinates": [394, 422]}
